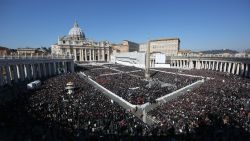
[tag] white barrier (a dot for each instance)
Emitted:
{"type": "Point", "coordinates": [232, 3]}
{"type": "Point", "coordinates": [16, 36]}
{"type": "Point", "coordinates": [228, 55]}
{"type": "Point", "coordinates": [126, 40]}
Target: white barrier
{"type": "Point", "coordinates": [179, 92]}
{"type": "Point", "coordinates": [114, 97]}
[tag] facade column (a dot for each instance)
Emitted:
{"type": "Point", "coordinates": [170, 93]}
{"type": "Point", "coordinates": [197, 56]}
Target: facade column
{"type": "Point", "coordinates": [85, 54]}
{"type": "Point", "coordinates": [7, 71]}
{"type": "Point", "coordinates": [49, 67]}
{"type": "Point", "coordinates": [209, 65]}
{"type": "Point", "coordinates": [39, 70]}
{"type": "Point", "coordinates": [15, 73]}
{"type": "Point", "coordinates": [81, 55]}
{"type": "Point", "coordinates": [55, 68]}
{"type": "Point", "coordinates": [25, 71]}
{"type": "Point", "coordinates": [90, 55]}
{"type": "Point", "coordinates": [44, 70]}
{"type": "Point", "coordinates": [242, 69]}
{"type": "Point", "coordinates": [75, 57]}
{"type": "Point", "coordinates": [1, 76]}
{"type": "Point", "coordinates": [28, 70]}
{"type": "Point", "coordinates": [213, 65]}
{"type": "Point", "coordinates": [233, 69]}
{"type": "Point", "coordinates": [98, 54]}
{"type": "Point", "coordinates": [191, 64]}
{"type": "Point", "coordinates": [217, 66]}
{"type": "Point", "coordinates": [65, 67]}
{"type": "Point", "coordinates": [34, 68]}
{"type": "Point", "coordinates": [93, 51]}
{"type": "Point", "coordinates": [18, 72]}
{"type": "Point", "coordinates": [246, 70]}
{"type": "Point", "coordinates": [52, 68]}
{"type": "Point", "coordinates": [21, 72]}
{"type": "Point", "coordinates": [197, 65]}
{"type": "Point", "coordinates": [238, 69]}
{"type": "Point", "coordinates": [220, 66]}
{"type": "Point", "coordinates": [72, 67]}
{"type": "Point", "coordinates": [108, 55]}
{"type": "Point", "coordinates": [229, 67]}
{"type": "Point", "coordinates": [225, 67]}
{"type": "Point", "coordinates": [103, 54]}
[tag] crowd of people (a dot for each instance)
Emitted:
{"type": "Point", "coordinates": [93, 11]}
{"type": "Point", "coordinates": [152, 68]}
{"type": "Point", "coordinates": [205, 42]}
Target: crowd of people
{"type": "Point", "coordinates": [217, 110]}
{"type": "Point", "coordinates": [133, 87]}
{"type": "Point", "coordinates": [220, 104]}
{"type": "Point", "coordinates": [86, 112]}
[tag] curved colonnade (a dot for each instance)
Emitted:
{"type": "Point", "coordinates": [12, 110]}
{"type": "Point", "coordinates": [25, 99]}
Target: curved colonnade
{"type": "Point", "coordinates": [237, 66]}
{"type": "Point", "coordinates": [21, 69]}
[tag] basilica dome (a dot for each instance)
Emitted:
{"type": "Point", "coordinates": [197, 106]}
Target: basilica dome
{"type": "Point", "coordinates": [76, 31]}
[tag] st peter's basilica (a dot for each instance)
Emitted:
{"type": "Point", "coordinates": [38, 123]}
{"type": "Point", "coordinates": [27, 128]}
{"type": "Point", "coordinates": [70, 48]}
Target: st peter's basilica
{"type": "Point", "coordinates": [81, 48]}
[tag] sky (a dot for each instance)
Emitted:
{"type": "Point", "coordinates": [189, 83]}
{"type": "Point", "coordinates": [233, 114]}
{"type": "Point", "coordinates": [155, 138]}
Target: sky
{"type": "Point", "coordinates": [200, 24]}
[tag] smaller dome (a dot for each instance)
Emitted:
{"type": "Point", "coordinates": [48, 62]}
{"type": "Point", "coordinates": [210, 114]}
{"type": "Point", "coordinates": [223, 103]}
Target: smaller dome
{"type": "Point", "coordinates": [76, 31]}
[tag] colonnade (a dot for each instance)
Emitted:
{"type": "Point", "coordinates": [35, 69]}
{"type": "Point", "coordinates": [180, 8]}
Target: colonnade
{"type": "Point", "coordinates": [17, 70]}
{"type": "Point", "coordinates": [233, 67]}
{"type": "Point", "coordinates": [91, 54]}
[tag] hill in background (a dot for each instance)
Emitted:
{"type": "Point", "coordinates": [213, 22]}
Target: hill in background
{"type": "Point", "coordinates": [219, 51]}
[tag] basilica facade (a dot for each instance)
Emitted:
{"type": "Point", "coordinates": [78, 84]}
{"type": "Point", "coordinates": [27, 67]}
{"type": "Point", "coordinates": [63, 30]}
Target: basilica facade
{"type": "Point", "coordinates": [83, 49]}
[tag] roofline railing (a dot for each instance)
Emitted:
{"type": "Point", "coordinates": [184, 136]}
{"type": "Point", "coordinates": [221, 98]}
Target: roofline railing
{"type": "Point", "coordinates": [50, 56]}
{"type": "Point", "coordinates": [247, 56]}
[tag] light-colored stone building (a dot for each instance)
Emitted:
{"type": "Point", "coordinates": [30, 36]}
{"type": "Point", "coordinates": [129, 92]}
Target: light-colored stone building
{"type": "Point", "coordinates": [125, 46]}
{"type": "Point", "coordinates": [168, 46]}
{"type": "Point", "coordinates": [26, 51]}
{"type": "Point", "coordinates": [82, 49]}
{"type": "Point", "coordinates": [30, 51]}
{"type": "Point", "coordinates": [184, 52]}
{"type": "Point", "coordinates": [4, 51]}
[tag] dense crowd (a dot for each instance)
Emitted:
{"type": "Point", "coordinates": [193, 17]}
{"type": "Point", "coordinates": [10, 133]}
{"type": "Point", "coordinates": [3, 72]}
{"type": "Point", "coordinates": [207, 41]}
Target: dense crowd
{"type": "Point", "coordinates": [98, 71]}
{"type": "Point", "coordinates": [127, 69]}
{"type": "Point", "coordinates": [217, 110]}
{"type": "Point", "coordinates": [219, 103]}
{"type": "Point", "coordinates": [133, 87]}
{"type": "Point", "coordinates": [87, 112]}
